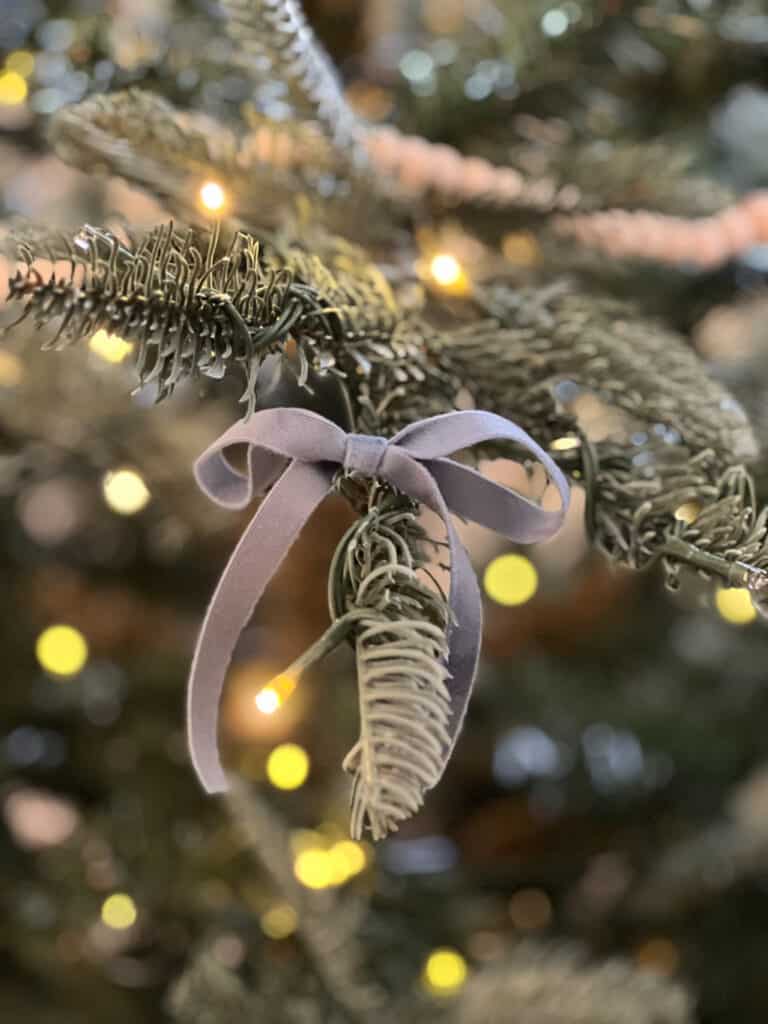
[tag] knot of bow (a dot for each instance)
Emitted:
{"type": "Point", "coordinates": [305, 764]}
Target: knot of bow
{"type": "Point", "coordinates": [295, 454]}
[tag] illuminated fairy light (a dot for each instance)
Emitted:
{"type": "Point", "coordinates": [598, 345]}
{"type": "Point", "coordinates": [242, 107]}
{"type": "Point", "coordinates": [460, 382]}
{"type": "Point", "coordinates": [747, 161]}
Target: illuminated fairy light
{"type": "Point", "coordinates": [445, 972]}
{"type": "Point", "coordinates": [20, 61]}
{"type": "Point", "coordinates": [735, 605]}
{"type": "Point", "coordinates": [110, 347]}
{"type": "Point", "coordinates": [288, 766]}
{"type": "Point", "coordinates": [347, 859]}
{"type": "Point", "coordinates": [565, 444]}
{"type": "Point", "coordinates": [446, 271]}
{"type": "Point", "coordinates": [267, 700]}
{"type": "Point", "coordinates": [510, 580]}
{"type": "Point", "coordinates": [62, 650]}
{"type": "Point", "coordinates": [118, 911]}
{"type": "Point", "coordinates": [13, 89]}
{"type": "Point", "coordinates": [279, 921]}
{"type": "Point", "coordinates": [213, 198]}
{"type": "Point", "coordinates": [125, 492]}
{"type": "Point", "coordinates": [313, 868]}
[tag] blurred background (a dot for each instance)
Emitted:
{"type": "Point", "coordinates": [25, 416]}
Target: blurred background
{"type": "Point", "coordinates": [609, 796]}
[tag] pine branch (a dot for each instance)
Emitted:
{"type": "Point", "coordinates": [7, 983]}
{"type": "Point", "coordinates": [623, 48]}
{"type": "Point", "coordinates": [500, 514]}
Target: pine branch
{"type": "Point", "coordinates": [401, 650]}
{"type": "Point", "coordinates": [547, 984]}
{"type": "Point", "coordinates": [328, 931]}
{"type": "Point", "coordinates": [275, 41]}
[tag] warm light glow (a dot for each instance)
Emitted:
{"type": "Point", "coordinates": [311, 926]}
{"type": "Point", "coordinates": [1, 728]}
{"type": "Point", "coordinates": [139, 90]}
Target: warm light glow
{"type": "Point", "coordinates": [511, 580]}
{"type": "Point", "coordinates": [735, 605]}
{"type": "Point", "coordinates": [213, 197]}
{"type": "Point", "coordinates": [279, 921]}
{"type": "Point", "coordinates": [660, 955]}
{"type": "Point", "coordinates": [11, 370]}
{"type": "Point", "coordinates": [347, 858]}
{"type": "Point", "coordinates": [447, 271]}
{"type": "Point", "coordinates": [313, 869]}
{"type": "Point", "coordinates": [110, 347]}
{"type": "Point", "coordinates": [267, 700]}
{"type": "Point", "coordinates": [21, 61]}
{"type": "Point", "coordinates": [13, 89]}
{"type": "Point", "coordinates": [288, 766]}
{"type": "Point", "coordinates": [118, 911]}
{"type": "Point", "coordinates": [688, 512]}
{"type": "Point", "coordinates": [62, 650]}
{"type": "Point", "coordinates": [564, 444]}
{"type": "Point", "coordinates": [125, 492]}
{"type": "Point", "coordinates": [444, 972]}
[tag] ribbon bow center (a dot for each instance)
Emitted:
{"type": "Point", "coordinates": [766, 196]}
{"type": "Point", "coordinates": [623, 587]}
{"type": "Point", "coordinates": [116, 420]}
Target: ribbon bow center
{"type": "Point", "coordinates": [363, 454]}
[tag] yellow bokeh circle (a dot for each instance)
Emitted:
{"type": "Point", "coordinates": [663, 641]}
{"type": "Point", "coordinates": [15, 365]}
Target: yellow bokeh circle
{"type": "Point", "coordinates": [445, 972]}
{"type": "Point", "coordinates": [735, 605]}
{"type": "Point", "coordinates": [62, 650]}
{"type": "Point", "coordinates": [288, 766]}
{"type": "Point", "coordinates": [510, 580]}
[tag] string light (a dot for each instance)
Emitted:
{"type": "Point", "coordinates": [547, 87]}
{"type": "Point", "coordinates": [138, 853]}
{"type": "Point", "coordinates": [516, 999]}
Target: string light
{"type": "Point", "coordinates": [267, 700]}
{"type": "Point", "coordinates": [279, 921]}
{"type": "Point", "coordinates": [20, 61]}
{"type": "Point", "coordinates": [565, 444]}
{"type": "Point", "coordinates": [125, 492]}
{"type": "Point", "coordinates": [118, 911]}
{"type": "Point", "coordinates": [445, 972]}
{"type": "Point", "coordinates": [313, 869]}
{"type": "Point", "coordinates": [62, 650]}
{"type": "Point", "coordinates": [347, 858]}
{"type": "Point", "coordinates": [13, 89]}
{"type": "Point", "coordinates": [510, 580]}
{"type": "Point", "coordinates": [448, 273]}
{"type": "Point", "coordinates": [213, 198]}
{"type": "Point", "coordinates": [288, 766]}
{"type": "Point", "coordinates": [110, 347]}
{"type": "Point", "coordinates": [735, 605]}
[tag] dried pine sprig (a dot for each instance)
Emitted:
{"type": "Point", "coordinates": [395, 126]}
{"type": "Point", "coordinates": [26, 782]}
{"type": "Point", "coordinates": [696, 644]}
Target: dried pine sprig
{"type": "Point", "coordinates": [401, 651]}
{"type": "Point", "coordinates": [671, 436]}
{"type": "Point", "coordinates": [274, 41]}
{"type": "Point", "coordinates": [550, 984]}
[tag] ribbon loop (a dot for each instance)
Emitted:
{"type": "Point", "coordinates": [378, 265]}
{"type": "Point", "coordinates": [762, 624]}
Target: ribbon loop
{"type": "Point", "coordinates": [416, 462]}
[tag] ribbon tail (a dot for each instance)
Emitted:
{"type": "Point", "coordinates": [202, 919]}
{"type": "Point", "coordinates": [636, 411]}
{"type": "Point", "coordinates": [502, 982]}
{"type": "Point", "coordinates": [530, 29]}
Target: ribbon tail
{"type": "Point", "coordinates": [262, 547]}
{"type": "Point", "coordinates": [466, 635]}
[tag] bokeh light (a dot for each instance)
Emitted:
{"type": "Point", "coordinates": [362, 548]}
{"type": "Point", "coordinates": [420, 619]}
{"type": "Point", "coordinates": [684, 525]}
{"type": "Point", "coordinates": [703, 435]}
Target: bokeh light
{"type": "Point", "coordinates": [279, 921]}
{"type": "Point", "coordinates": [20, 61]}
{"type": "Point", "coordinates": [125, 492]}
{"type": "Point", "coordinates": [445, 972]}
{"type": "Point", "coordinates": [119, 911]}
{"type": "Point", "coordinates": [510, 580]}
{"type": "Point", "coordinates": [735, 605]}
{"type": "Point", "coordinates": [530, 910]}
{"type": "Point", "coordinates": [313, 869]}
{"type": "Point", "coordinates": [13, 89]}
{"type": "Point", "coordinates": [288, 766]}
{"type": "Point", "coordinates": [110, 347]}
{"type": "Point", "coordinates": [267, 700]}
{"type": "Point", "coordinates": [62, 650]}
{"type": "Point", "coordinates": [213, 198]}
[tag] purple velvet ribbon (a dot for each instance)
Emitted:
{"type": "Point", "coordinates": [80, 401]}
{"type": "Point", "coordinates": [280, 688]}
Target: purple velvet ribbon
{"type": "Point", "coordinates": [296, 454]}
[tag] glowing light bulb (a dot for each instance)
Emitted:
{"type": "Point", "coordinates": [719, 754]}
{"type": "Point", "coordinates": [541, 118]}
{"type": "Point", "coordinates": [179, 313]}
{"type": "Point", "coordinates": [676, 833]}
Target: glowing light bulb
{"type": "Point", "coordinates": [118, 911]}
{"type": "Point", "coordinates": [62, 650]}
{"type": "Point", "coordinates": [735, 605]}
{"type": "Point", "coordinates": [510, 580]}
{"type": "Point", "coordinates": [279, 921]}
{"type": "Point", "coordinates": [347, 858]}
{"type": "Point", "coordinates": [445, 972]}
{"type": "Point", "coordinates": [267, 700]}
{"type": "Point", "coordinates": [125, 492]}
{"type": "Point", "coordinates": [13, 89]}
{"type": "Point", "coordinates": [448, 272]}
{"type": "Point", "coordinates": [212, 197]}
{"type": "Point", "coordinates": [565, 444]}
{"type": "Point", "coordinates": [288, 766]}
{"type": "Point", "coordinates": [313, 869]}
{"type": "Point", "coordinates": [110, 347]}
